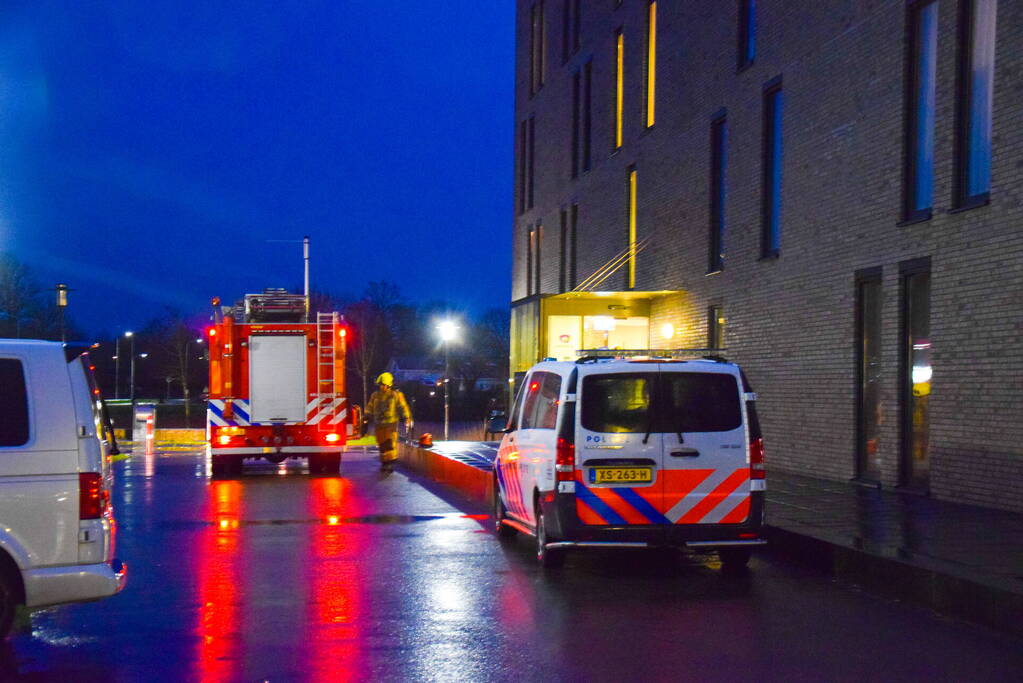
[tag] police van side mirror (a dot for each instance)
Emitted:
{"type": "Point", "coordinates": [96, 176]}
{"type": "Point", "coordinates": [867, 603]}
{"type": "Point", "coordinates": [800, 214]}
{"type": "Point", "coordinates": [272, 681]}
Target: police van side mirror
{"type": "Point", "coordinates": [498, 425]}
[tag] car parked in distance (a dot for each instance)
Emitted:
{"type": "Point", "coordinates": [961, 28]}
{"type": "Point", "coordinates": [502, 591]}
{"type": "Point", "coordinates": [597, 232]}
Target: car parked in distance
{"type": "Point", "coordinates": [56, 523]}
{"type": "Point", "coordinates": [602, 453]}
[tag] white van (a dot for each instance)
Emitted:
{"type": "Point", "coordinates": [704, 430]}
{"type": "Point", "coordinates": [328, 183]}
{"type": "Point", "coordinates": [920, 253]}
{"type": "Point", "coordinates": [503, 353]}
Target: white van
{"type": "Point", "coordinates": [633, 453]}
{"type": "Point", "coordinates": [56, 524]}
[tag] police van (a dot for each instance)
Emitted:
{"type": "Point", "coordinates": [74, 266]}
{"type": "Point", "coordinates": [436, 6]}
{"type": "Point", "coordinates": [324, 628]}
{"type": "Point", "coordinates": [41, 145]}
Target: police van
{"type": "Point", "coordinates": [632, 453]}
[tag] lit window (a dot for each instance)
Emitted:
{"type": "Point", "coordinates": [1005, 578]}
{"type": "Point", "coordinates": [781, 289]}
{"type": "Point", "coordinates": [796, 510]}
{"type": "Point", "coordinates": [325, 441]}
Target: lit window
{"type": "Point", "coordinates": [651, 62]}
{"type": "Point", "coordinates": [631, 273]}
{"type": "Point", "coordinates": [715, 327]}
{"type": "Point", "coordinates": [619, 85]}
{"type": "Point", "coordinates": [976, 86]}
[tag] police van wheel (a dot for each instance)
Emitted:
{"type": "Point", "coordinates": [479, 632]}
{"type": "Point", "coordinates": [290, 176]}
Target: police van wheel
{"type": "Point", "coordinates": [549, 558]}
{"type": "Point", "coordinates": [502, 530]}
{"type": "Point", "coordinates": [8, 603]}
{"type": "Point", "coordinates": [734, 560]}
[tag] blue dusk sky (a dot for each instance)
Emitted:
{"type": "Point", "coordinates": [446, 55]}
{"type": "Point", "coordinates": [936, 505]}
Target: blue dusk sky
{"type": "Point", "coordinates": [152, 150]}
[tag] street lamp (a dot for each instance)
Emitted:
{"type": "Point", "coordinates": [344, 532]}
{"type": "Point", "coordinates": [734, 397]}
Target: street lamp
{"type": "Point", "coordinates": [62, 291]}
{"type": "Point", "coordinates": [131, 390]}
{"type": "Point", "coordinates": [447, 330]}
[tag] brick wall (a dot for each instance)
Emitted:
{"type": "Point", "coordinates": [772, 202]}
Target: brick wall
{"type": "Point", "coordinates": [790, 320]}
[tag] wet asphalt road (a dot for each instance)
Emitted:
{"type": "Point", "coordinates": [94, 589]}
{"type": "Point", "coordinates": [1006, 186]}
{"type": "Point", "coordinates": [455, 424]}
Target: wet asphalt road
{"type": "Point", "coordinates": [281, 576]}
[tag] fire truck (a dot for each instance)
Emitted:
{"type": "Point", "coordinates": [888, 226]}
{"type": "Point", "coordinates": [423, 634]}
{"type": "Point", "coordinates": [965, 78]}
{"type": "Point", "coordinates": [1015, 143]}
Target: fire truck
{"type": "Point", "coordinates": [277, 384]}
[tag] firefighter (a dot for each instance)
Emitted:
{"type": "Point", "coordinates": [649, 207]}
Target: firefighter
{"type": "Point", "coordinates": [385, 408]}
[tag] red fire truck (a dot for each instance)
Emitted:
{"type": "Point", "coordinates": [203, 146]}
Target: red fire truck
{"type": "Point", "coordinates": [277, 384]}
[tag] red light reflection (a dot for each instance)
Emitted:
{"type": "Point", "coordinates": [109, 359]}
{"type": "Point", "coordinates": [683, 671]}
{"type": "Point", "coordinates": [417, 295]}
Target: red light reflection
{"type": "Point", "coordinates": [338, 601]}
{"type": "Point", "coordinates": [218, 576]}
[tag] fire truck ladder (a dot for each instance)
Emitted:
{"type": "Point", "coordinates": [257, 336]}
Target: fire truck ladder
{"type": "Point", "coordinates": [326, 339]}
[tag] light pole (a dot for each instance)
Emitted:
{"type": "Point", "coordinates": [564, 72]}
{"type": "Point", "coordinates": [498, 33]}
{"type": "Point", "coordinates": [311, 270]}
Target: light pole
{"type": "Point", "coordinates": [131, 381]}
{"type": "Point", "coordinates": [62, 291]}
{"type": "Point", "coordinates": [448, 330]}
{"type": "Point", "coordinates": [117, 368]}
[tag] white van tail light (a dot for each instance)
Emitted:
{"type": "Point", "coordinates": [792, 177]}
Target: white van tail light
{"type": "Point", "coordinates": [756, 459]}
{"type": "Point", "coordinates": [92, 497]}
{"type": "Point", "coordinates": [564, 460]}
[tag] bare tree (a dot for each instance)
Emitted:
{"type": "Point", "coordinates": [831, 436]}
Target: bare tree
{"type": "Point", "coordinates": [370, 341]}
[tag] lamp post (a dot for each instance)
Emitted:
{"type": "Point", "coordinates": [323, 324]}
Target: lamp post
{"type": "Point", "coordinates": [447, 330]}
{"type": "Point", "coordinates": [62, 291]}
{"type": "Point", "coordinates": [131, 380]}
{"type": "Point", "coordinates": [117, 368]}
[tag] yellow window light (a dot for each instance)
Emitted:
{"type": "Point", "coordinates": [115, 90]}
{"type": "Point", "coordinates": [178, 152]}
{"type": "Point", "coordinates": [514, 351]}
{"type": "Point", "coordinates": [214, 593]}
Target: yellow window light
{"type": "Point", "coordinates": [651, 62]}
{"type": "Point", "coordinates": [619, 87]}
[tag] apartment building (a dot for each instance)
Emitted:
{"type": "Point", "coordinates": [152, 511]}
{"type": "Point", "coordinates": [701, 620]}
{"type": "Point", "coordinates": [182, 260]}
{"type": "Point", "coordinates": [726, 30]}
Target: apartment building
{"type": "Point", "coordinates": [827, 192]}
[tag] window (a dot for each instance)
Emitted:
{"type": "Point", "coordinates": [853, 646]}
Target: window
{"type": "Point", "coordinates": [630, 282]}
{"type": "Point", "coordinates": [573, 223]}
{"type": "Point", "coordinates": [718, 167]}
{"type": "Point", "coordinates": [619, 86]}
{"type": "Point", "coordinates": [976, 95]}
{"type": "Point", "coordinates": [532, 162]}
{"type": "Point", "coordinates": [587, 114]}
{"type": "Point", "coordinates": [563, 244]}
{"type": "Point", "coordinates": [537, 243]}
{"type": "Point", "coordinates": [672, 403]}
{"type": "Point", "coordinates": [868, 374]}
{"type": "Point", "coordinates": [747, 32]}
{"type": "Point", "coordinates": [13, 404]}
{"type": "Point", "coordinates": [715, 327]}
{"type": "Point", "coordinates": [566, 32]}
{"type": "Point", "coordinates": [651, 61]}
{"type": "Point", "coordinates": [540, 410]}
{"type": "Point", "coordinates": [537, 46]}
{"type": "Point", "coordinates": [919, 172]}
{"type": "Point", "coordinates": [576, 24]}
{"type": "Point", "coordinates": [576, 119]}
{"type": "Point", "coordinates": [523, 164]}
{"type": "Point", "coordinates": [916, 372]}
{"type": "Point", "coordinates": [530, 240]}
{"type": "Point", "coordinates": [770, 244]}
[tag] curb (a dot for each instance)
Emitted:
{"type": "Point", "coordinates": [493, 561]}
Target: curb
{"type": "Point", "coordinates": [953, 596]}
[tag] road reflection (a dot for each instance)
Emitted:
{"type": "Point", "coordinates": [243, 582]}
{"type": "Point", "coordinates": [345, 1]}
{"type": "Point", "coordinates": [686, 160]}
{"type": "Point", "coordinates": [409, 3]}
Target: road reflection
{"type": "Point", "coordinates": [219, 575]}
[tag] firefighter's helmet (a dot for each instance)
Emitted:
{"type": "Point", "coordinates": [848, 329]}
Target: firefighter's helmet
{"type": "Point", "coordinates": [386, 378]}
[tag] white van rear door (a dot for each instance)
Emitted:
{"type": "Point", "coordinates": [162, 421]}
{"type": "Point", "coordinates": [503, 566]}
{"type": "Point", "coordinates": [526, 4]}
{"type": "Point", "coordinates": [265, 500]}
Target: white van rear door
{"type": "Point", "coordinates": [618, 458]}
{"type": "Point", "coordinates": [706, 474]}
{"type": "Point", "coordinates": [277, 378]}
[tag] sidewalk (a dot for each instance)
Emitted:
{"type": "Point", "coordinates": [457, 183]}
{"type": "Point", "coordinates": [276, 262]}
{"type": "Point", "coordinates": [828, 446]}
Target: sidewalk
{"type": "Point", "coordinates": [959, 560]}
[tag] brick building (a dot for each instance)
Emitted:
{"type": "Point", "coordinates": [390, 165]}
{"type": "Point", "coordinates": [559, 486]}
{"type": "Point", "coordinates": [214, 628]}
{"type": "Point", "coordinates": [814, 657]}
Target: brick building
{"type": "Point", "coordinates": [829, 190]}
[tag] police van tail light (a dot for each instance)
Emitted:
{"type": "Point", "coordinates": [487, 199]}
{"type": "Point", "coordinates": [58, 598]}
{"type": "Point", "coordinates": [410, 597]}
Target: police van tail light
{"type": "Point", "coordinates": [92, 497]}
{"type": "Point", "coordinates": [564, 460]}
{"type": "Point", "coordinates": [756, 459]}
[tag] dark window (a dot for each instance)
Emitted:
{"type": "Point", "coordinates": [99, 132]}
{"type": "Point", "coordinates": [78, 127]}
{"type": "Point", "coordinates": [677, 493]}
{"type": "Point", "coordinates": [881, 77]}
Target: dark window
{"type": "Point", "coordinates": [771, 226]}
{"type": "Point", "coordinates": [566, 29]}
{"type": "Point", "coordinates": [916, 373]}
{"type": "Point", "coordinates": [576, 116]}
{"type": "Point", "coordinates": [747, 32]}
{"type": "Point", "coordinates": [715, 327]}
{"type": "Point", "coordinates": [718, 168]}
{"type": "Point", "coordinates": [563, 244]}
{"type": "Point", "coordinates": [573, 224]}
{"type": "Point", "coordinates": [685, 402]}
{"type": "Point", "coordinates": [617, 403]}
{"type": "Point", "coordinates": [13, 404]}
{"type": "Point", "coordinates": [523, 164]}
{"type": "Point", "coordinates": [923, 49]}
{"type": "Point", "coordinates": [531, 182]}
{"type": "Point", "coordinates": [576, 21]}
{"type": "Point", "coordinates": [587, 114]}
{"type": "Point", "coordinates": [537, 46]}
{"type": "Point", "coordinates": [868, 374]}
{"type": "Point", "coordinates": [698, 402]}
{"type": "Point", "coordinates": [976, 95]}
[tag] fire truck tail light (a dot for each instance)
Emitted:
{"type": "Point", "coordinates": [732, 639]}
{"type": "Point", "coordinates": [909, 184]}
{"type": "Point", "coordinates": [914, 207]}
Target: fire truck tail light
{"type": "Point", "coordinates": [92, 497]}
{"type": "Point", "coordinates": [331, 438]}
{"type": "Point", "coordinates": [224, 440]}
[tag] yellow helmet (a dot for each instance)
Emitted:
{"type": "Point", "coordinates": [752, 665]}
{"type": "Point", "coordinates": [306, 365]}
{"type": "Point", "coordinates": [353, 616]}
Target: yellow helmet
{"type": "Point", "coordinates": [386, 378]}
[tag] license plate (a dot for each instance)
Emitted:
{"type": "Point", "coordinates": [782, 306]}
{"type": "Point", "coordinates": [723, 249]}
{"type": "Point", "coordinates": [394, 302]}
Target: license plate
{"type": "Point", "coordinates": [621, 475]}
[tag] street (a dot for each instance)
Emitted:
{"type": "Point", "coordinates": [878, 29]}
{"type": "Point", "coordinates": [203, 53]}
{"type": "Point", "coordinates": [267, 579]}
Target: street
{"type": "Point", "coordinates": [278, 575]}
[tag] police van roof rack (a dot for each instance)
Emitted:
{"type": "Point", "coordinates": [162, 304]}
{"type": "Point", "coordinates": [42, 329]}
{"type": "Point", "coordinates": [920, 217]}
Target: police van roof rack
{"type": "Point", "coordinates": [594, 355]}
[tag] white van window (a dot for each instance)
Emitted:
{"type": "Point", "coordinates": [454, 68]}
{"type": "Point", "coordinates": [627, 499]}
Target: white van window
{"type": "Point", "coordinates": [547, 402]}
{"type": "Point", "coordinates": [533, 387]}
{"type": "Point", "coordinates": [617, 403]}
{"type": "Point", "coordinates": [13, 404]}
{"type": "Point", "coordinates": [698, 402]}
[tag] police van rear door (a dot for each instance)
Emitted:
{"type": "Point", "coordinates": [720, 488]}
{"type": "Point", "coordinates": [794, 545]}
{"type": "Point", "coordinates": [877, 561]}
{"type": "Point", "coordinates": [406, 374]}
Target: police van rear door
{"type": "Point", "coordinates": [618, 455]}
{"type": "Point", "coordinates": [706, 474]}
